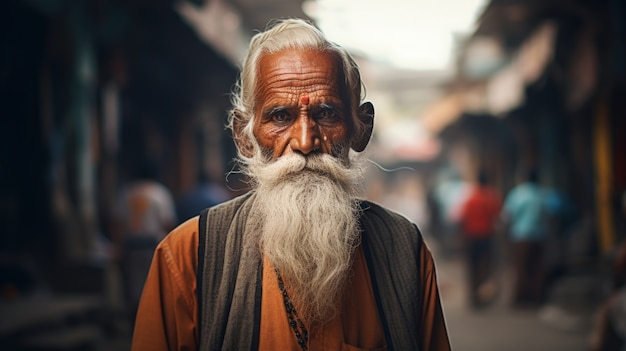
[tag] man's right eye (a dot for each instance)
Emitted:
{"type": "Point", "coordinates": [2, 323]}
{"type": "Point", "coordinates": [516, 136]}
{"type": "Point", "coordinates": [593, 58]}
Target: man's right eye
{"type": "Point", "coordinates": [280, 117]}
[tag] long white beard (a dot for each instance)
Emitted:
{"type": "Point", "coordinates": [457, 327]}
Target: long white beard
{"type": "Point", "coordinates": [309, 215]}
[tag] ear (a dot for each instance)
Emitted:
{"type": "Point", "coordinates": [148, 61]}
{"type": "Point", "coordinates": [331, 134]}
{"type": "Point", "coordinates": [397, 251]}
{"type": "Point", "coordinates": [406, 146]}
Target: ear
{"type": "Point", "coordinates": [366, 119]}
{"type": "Point", "coordinates": [244, 145]}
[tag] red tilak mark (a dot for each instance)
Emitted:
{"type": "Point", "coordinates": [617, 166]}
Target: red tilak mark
{"type": "Point", "coordinates": [304, 99]}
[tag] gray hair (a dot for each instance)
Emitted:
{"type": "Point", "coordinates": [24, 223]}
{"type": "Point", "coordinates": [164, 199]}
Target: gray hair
{"type": "Point", "coordinates": [287, 34]}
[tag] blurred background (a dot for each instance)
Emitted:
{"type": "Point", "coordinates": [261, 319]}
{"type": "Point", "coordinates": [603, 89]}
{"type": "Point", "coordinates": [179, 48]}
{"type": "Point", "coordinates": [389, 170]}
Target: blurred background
{"type": "Point", "coordinates": [95, 92]}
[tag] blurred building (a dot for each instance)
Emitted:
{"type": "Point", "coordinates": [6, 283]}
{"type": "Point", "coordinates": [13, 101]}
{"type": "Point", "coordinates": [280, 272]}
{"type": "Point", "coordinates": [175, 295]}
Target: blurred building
{"type": "Point", "coordinates": [539, 84]}
{"type": "Point", "coordinates": [90, 88]}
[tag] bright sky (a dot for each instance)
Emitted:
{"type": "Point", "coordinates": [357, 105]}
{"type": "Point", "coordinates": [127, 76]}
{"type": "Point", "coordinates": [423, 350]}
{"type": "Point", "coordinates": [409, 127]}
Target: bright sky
{"type": "Point", "coordinates": [417, 34]}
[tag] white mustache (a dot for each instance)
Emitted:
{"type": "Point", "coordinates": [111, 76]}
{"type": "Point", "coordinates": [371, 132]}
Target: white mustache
{"type": "Point", "coordinates": [289, 165]}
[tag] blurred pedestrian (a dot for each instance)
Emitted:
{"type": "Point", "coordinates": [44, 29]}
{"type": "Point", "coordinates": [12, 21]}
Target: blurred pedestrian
{"type": "Point", "coordinates": [145, 213]}
{"type": "Point", "coordinates": [523, 212]}
{"type": "Point", "coordinates": [205, 194]}
{"type": "Point", "coordinates": [478, 218]}
{"type": "Point", "coordinates": [559, 215]}
{"type": "Point", "coordinates": [450, 192]}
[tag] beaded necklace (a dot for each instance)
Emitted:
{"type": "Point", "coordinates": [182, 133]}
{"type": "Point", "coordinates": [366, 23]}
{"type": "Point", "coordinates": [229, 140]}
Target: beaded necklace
{"type": "Point", "coordinates": [302, 335]}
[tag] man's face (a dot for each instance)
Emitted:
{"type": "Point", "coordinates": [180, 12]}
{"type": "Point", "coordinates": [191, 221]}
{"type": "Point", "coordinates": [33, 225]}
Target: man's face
{"type": "Point", "coordinates": [299, 106]}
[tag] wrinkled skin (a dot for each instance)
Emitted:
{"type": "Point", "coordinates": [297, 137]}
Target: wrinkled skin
{"type": "Point", "coordinates": [301, 105]}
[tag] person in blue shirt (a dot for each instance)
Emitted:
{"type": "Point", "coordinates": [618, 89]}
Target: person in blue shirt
{"type": "Point", "coordinates": [523, 212]}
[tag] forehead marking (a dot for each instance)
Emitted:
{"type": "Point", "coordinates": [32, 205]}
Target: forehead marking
{"type": "Point", "coordinates": [304, 99]}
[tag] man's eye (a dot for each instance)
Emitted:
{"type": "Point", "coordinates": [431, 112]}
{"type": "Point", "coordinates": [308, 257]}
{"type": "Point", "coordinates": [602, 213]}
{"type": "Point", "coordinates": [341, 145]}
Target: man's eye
{"type": "Point", "coordinates": [327, 115]}
{"type": "Point", "coordinates": [280, 117]}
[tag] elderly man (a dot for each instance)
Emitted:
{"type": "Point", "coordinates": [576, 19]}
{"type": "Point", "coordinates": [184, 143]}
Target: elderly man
{"type": "Point", "coordinates": [299, 263]}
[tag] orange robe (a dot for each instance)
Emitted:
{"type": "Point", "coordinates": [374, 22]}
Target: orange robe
{"type": "Point", "coordinates": [167, 315]}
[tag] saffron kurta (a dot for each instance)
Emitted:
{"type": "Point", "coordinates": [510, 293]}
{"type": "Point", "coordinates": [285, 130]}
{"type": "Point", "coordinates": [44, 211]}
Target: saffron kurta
{"type": "Point", "coordinates": [167, 316]}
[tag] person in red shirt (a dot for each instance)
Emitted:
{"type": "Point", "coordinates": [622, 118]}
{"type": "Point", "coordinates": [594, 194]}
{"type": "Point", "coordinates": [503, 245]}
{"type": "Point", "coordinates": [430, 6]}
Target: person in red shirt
{"type": "Point", "coordinates": [478, 218]}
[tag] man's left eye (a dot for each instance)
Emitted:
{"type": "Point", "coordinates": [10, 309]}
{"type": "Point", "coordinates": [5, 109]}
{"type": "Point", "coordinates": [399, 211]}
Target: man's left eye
{"type": "Point", "coordinates": [326, 115]}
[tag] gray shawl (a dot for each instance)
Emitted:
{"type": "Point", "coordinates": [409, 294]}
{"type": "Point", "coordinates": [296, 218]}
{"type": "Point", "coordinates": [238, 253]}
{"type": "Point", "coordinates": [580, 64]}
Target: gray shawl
{"type": "Point", "coordinates": [230, 271]}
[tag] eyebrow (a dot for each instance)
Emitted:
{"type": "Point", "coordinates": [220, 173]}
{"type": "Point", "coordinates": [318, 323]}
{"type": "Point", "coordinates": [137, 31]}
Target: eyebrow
{"type": "Point", "coordinates": [276, 109]}
{"type": "Point", "coordinates": [327, 106]}
{"type": "Point", "coordinates": [317, 107]}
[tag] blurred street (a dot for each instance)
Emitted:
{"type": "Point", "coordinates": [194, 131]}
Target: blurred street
{"type": "Point", "coordinates": [501, 327]}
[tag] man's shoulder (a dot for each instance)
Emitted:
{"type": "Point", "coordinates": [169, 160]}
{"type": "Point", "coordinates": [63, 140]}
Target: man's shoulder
{"type": "Point", "coordinates": [184, 239]}
{"type": "Point", "coordinates": [372, 211]}
{"type": "Point", "coordinates": [221, 217]}
{"type": "Point", "coordinates": [369, 207]}
{"type": "Point", "coordinates": [230, 205]}
{"type": "Point", "coordinates": [388, 236]}
{"type": "Point", "coordinates": [183, 230]}
{"type": "Point", "coordinates": [181, 240]}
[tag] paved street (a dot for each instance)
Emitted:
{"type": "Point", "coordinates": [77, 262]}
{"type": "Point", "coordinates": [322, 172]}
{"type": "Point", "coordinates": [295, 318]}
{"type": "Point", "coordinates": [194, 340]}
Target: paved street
{"type": "Point", "coordinates": [501, 328]}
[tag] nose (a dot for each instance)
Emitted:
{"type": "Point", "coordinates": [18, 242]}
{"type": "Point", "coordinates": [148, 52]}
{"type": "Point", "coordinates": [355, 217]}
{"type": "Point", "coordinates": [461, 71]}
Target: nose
{"type": "Point", "coordinates": [305, 136]}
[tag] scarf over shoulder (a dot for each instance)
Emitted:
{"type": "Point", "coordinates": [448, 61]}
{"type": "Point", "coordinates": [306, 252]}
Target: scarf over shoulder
{"type": "Point", "coordinates": [230, 270]}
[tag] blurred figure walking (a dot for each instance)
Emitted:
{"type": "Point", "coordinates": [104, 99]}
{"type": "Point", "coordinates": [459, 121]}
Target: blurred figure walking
{"type": "Point", "coordinates": [523, 212]}
{"type": "Point", "coordinates": [478, 219]}
{"type": "Point", "coordinates": [145, 213]}
{"type": "Point", "coordinates": [205, 194]}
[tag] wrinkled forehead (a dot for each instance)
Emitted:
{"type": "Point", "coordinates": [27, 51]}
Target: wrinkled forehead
{"type": "Point", "coordinates": [295, 66]}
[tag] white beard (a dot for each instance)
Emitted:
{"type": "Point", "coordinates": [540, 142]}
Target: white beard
{"type": "Point", "coordinates": [309, 215]}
